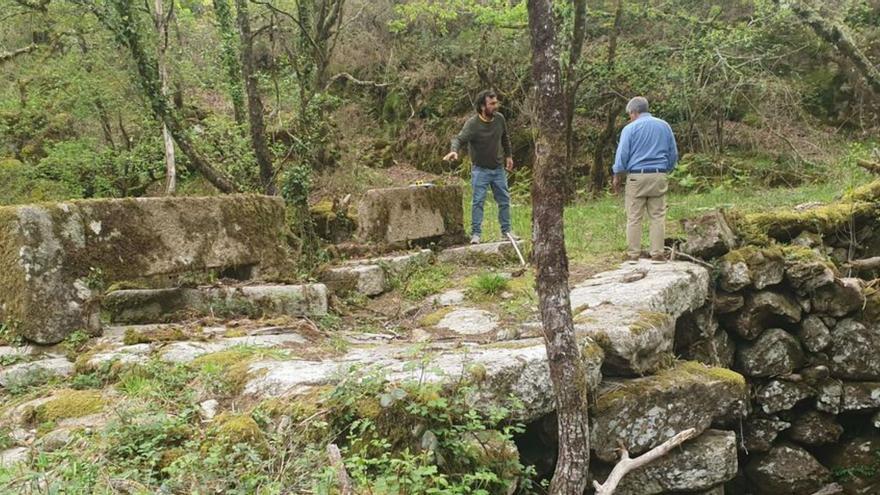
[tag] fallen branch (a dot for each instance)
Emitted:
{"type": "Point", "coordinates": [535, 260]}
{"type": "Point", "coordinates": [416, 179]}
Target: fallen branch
{"type": "Point", "coordinates": [872, 167]}
{"type": "Point", "coordinates": [341, 474]}
{"type": "Point", "coordinates": [7, 56]}
{"type": "Point", "coordinates": [625, 465]}
{"type": "Point", "coordinates": [354, 80]}
{"type": "Point", "coordinates": [864, 264]}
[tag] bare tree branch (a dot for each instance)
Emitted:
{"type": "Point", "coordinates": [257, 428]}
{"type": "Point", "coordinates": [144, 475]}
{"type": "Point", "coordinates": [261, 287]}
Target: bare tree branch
{"type": "Point", "coordinates": [341, 474]}
{"type": "Point", "coordinates": [625, 465]}
{"type": "Point", "coordinates": [6, 57]}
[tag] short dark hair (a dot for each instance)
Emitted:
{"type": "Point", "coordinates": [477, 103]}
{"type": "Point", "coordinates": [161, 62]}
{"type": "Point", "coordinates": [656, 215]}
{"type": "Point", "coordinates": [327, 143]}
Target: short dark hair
{"type": "Point", "coordinates": [481, 98]}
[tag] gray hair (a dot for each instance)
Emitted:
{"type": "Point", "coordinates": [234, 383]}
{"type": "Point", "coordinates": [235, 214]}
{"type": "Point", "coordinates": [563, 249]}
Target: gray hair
{"type": "Point", "coordinates": [639, 104]}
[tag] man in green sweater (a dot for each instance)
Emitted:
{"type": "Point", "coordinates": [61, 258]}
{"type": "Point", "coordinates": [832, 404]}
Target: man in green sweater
{"type": "Point", "coordinates": [489, 146]}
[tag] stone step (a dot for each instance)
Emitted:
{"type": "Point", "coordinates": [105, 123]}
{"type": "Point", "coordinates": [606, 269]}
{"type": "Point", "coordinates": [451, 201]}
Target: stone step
{"type": "Point", "coordinates": [141, 306]}
{"type": "Point", "coordinates": [642, 413]}
{"type": "Point", "coordinates": [502, 370]}
{"type": "Point", "coordinates": [487, 253]}
{"type": "Point", "coordinates": [631, 312]}
{"type": "Point", "coordinates": [371, 276]}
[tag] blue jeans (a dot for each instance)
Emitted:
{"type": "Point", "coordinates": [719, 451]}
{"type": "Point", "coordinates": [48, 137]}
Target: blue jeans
{"type": "Point", "coordinates": [481, 180]}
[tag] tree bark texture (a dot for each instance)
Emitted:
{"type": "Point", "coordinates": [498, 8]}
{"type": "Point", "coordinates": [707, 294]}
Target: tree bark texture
{"type": "Point", "coordinates": [230, 59]}
{"type": "Point", "coordinates": [254, 103]}
{"type": "Point", "coordinates": [551, 262]}
{"type": "Point", "coordinates": [161, 48]}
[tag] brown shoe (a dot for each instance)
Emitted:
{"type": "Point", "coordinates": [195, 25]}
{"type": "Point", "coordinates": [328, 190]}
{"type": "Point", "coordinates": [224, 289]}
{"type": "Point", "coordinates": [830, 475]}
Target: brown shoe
{"type": "Point", "coordinates": [659, 257]}
{"type": "Point", "coordinates": [632, 259]}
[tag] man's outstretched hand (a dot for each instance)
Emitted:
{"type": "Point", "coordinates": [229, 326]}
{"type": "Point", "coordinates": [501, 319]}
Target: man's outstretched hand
{"type": "Point", "coordinates": [615, 184]}
{"type": "Point", "coordinates": [508, 165]}
{"type": "Point", "coordinates": [450, 156]}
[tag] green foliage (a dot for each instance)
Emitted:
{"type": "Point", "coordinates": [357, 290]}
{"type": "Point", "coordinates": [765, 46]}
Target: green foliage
{"type": "Point", "coordinates": [416, 437]}
{"type": "Point", "coordinates": [488, 285]}
{"type": "Point", "coordinates": [75, 343]}
{"type": "Point", "coordinates": [421, 279]}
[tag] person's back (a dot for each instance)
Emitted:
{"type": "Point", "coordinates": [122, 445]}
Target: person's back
{"type": "Point", "coordinates": [646, 143]}
{"type": "Point", "coordinates": [646, 153]}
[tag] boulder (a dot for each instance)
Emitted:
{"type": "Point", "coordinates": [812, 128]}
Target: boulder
{"type": "Point", "coordinates": [853, 351]}
{"type": "Point", "coordinates": [775, 352]}
{"type": "Point", "coordinates": [644, 412]}
{"type": "Point", "coordinates": [859, 396]}
{"type": "Point", "coordinates": [368, 280]}
{"type": "Point", "coordinates": [35, 372]}
{"type": "Point", "coordinates": [399, 216]}
{"type": "Point", "coordinates": [815, 428]}
{"type": "Point", "coordinates": [751, 266]}
{"type": "Point", "coordinates": [814, 334]}
{"type": "Point", "coordinates": [508, 369]}
{"type": "Point", "coordinates": [708, 236]}
{"type": "Point", "coordinates": [671, 288]}
{"type": "Point", "coordinates": [786, 470]}
{"type": "Point", "coordinates": [699, 464]}
{"type": "Point", "coordinates": [839, 298]}
{"type": "Point", "coordinates": [806, 270]}
{"type": "Point", "coordinates": [781, 395]}
{"type": "Point", "coordinates": [487, 253]}
{"type": "Point", "coordinates": [759, 434]}
{"type": "Point", "coordinates": [725, 302]}
{"type": "Point", "coordinates": [762, 310]}
{"type": "Point", "coordinates": [635, 343]}
{"type": "Point", "coordinates": [56, 258]}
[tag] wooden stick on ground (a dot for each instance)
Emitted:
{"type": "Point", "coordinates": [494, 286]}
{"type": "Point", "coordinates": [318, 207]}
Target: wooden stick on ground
{"type": "Point", "coordinates": [865, 264]}
{"type": "Point", "coordinates": [873, 167]}
{"type": "Point", "coordinates": [341, 474]}
{"type": "Point", "coordinates": [625, 465]}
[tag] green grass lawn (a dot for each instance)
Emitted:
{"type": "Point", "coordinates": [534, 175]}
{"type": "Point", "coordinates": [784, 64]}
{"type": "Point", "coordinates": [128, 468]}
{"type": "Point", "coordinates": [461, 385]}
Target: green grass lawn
{"type": "Point", "coordinates": [594, 229]}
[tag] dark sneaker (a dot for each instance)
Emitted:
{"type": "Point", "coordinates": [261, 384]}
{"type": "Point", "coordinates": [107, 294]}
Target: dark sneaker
{"type": "Point", "coordinates": [658, 258]}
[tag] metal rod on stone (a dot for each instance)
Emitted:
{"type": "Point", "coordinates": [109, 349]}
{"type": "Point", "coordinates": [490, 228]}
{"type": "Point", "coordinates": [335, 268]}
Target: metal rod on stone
{"type": "Point", "coordinates": [522, 261]}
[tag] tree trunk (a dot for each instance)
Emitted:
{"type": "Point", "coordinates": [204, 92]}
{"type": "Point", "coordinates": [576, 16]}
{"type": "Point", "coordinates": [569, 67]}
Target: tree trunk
{"type": "Point", "coordinates": [834, 34]}
{"type": "Point", "coordinates": [254, 103]}
{"type": "Point", "coordinates": [124, 28]}
{"type": "Point", "coordinates": [230, 59]}
{"type": "Point", "coordinates": [161, 48]}
{"type": "Point", "coordinates": [551, 170]}
{"type": "Point", "coordinates": [598, 174]}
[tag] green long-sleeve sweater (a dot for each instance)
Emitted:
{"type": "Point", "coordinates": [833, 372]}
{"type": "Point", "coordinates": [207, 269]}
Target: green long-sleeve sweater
{"type": "Point", "coordinates": [488, 142]}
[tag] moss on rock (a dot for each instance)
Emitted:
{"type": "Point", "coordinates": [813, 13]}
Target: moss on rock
{"type": "Point", "coordinates": [69, 404]}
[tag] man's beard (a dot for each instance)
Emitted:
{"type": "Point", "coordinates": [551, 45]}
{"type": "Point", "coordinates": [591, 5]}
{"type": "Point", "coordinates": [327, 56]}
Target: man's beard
{"type": "Point", "coordinates": [487, 112]}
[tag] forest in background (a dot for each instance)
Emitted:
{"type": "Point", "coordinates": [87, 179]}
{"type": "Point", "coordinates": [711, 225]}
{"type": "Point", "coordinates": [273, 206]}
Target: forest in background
{"type": "Point", "coordinates": [313, 98]}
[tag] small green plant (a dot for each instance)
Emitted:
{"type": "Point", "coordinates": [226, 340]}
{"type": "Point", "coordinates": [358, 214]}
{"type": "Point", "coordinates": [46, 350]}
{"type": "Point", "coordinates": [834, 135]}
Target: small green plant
{"type": "Point", "coordinates": [75, 343]}
{"type": "Point", "coordinates": [422, 279]}
{"type": "Point", "coordinates": [488, 285]}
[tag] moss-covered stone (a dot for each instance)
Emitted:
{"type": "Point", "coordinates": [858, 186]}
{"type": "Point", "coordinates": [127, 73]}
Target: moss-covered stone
{"type": "Point", "coordinates": [403, 215]}
{"type": "Point", "coordinates": [644, 412]}
{"type": "Point", "coordinates": [432, 319]}
{"type": "Point", "coordinates": [234, 429]}
{"type": "Point", "coordinates": [162, 334]}
{"type": "Point", "coordinates": [69, 404]}
{"type": "Point", "coordinates": [784, 225]}
{"type": "Point", "coordinates": [56, 259]}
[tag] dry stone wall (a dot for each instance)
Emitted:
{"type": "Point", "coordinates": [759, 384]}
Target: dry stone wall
{"type": "Point", "coordinates": [804, 331]}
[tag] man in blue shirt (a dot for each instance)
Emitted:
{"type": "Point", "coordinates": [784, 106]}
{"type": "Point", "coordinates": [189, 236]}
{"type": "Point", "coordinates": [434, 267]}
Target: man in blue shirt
{"type": "Point", "coordinates": [646, 153]}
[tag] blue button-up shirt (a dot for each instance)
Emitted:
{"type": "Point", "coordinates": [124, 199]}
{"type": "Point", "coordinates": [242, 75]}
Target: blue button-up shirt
{"type": "Point", "coordinates": [646, 143]}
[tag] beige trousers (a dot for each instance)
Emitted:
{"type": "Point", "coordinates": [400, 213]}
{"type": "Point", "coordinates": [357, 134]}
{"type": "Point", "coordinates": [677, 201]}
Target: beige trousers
{"type": "Point", "coordinates": [645, 192]}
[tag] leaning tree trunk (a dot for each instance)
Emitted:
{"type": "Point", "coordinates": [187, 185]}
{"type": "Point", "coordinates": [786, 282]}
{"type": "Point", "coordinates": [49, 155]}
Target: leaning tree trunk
{"type": "Point", "coordinates": [125, 30]}
{"type": "Point", "coordinates": [834, 34]}
{"type": "Point", "coordinates": [161, 48]}
{"type": "Point", "coordinates": [254, 103]}
{"type": "Point", "coordinates": [223, 12]}
{"type": "Point", "coordinates": [551, 170]}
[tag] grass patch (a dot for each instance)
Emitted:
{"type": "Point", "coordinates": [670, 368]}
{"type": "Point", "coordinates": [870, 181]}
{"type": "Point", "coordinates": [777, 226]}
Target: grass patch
{"type": "Point", "coordinates": [595, 229]}
{"type": "Point", "coordinates": [487, 285]}
{"type": "Point", "coordinates": [425, 280]}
